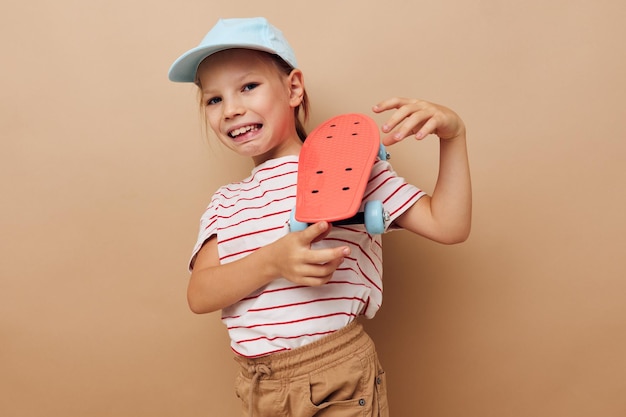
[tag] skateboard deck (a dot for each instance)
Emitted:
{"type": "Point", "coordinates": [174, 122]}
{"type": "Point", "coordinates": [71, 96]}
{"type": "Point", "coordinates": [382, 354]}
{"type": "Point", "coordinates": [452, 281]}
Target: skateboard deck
{"type": "Point", "coordinates": [334, 167]}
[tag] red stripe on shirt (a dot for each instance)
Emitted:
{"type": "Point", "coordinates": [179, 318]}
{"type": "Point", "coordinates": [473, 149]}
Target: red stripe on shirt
{"type": "Point", "coordinates": [341, 313]}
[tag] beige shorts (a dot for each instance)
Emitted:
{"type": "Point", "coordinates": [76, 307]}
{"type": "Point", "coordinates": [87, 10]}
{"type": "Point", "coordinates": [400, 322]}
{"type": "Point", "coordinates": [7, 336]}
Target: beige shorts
{"type": "Point", "coordinates": [338, 376]}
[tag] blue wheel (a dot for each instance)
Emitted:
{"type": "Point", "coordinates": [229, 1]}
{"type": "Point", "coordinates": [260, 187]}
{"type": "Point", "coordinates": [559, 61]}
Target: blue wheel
{"type": "Point", "coordinates": [382, 153]}
{"type": "Point", "coordinates": [295, 225]}
{"type": "Point", "coordinates": [374, 217]}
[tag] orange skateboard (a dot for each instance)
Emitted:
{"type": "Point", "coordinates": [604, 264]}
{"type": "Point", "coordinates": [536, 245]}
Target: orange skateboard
{"type": "Point", "coordinates": [333, 170]}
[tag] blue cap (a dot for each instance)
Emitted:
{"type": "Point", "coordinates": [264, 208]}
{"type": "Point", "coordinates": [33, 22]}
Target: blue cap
{"type": "Point", "coordinates": [249, 33]}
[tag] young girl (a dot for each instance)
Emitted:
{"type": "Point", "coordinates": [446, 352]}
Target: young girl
{"type": "Point", "coordinates": [290, 300]}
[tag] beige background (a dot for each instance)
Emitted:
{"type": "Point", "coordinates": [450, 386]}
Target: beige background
{"type": "Point", "coordinates": [104, 173]}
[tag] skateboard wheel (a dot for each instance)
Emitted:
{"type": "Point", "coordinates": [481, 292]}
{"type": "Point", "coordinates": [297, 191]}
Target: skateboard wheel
{"type": "Point", "coordinates": [374, 217]}
{"type": "Point", "coordinates": [295, 225]}
{"type": "Point", "coordinates": [382, 153]}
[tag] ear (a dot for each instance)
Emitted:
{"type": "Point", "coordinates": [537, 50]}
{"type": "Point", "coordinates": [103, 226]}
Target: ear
{"type": "Point", "coordinates": [295, 82]}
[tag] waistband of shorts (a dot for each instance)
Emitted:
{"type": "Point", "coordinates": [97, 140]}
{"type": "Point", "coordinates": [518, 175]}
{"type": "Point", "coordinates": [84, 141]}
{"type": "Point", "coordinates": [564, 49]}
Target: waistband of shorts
{"type": "Point", "coordinates": [337, 346]}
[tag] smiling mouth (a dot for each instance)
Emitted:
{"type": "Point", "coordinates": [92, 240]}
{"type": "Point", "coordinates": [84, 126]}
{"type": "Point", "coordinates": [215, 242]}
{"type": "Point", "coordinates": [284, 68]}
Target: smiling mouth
{"type": "Point", "coordinates": [243, 130]}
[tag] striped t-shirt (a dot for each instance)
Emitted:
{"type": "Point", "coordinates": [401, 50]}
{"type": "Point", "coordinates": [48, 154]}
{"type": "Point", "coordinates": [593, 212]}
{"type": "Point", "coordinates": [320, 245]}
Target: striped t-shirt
{"type": "Point", "coordinates": [282, 315]}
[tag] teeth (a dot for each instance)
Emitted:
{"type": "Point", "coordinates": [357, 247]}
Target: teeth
{"type": "Point", "coordinates": [243, 130]}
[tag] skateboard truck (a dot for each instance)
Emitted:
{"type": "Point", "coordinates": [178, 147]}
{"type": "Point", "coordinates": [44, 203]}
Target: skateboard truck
{"type": "Point", "coordinates": [374, 217]}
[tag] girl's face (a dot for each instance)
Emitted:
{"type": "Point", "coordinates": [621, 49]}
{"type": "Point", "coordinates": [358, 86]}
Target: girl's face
{"type": "Point", "coordinates": [250, 105]}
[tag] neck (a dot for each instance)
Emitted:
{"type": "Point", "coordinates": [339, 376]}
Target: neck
{"type": "Point", "coordinates": [289, 147]}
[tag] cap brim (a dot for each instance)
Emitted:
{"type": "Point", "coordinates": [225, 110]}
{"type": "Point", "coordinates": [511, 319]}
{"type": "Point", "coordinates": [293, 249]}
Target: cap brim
{"type": "Point", "coordinates": [185, 67]}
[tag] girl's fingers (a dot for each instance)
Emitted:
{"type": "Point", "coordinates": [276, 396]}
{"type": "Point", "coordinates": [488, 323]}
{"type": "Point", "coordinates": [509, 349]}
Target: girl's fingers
{"type": "Point", "coordinates": [314, 232]}
{"type": "Point", "coordinates": [326, 256]}
{"type": "Point", "coordinates": [419, 118]}
{"type": "Point", "coordinates": [411, 121]}
{"type": "Point", "coordinates": [316, 273]}
{"type": "Point", "coordinates": [391, 103]}
{"type": "Point", "coordinates": [427, 128]}
{"type": "Point", "coordinates": [398, 116]}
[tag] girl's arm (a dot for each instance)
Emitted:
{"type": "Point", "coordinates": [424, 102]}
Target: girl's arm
{"type": "Point", "coordinates": [213, 286]}
{"type": "Point", "coordinates": [445, 216]}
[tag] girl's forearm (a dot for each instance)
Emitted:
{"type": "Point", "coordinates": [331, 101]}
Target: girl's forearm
{"type": "Point", "coordinates": [451, 202]}
{"type": "Point", "coordinates": [215, 287]}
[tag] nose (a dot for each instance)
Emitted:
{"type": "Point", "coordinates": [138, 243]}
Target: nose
{"type": "Point", "coordinates": [233, 107]}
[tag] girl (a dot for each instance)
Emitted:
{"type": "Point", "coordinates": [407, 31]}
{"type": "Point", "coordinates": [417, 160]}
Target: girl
{"type": "Point", "coordinates": [290, 300]}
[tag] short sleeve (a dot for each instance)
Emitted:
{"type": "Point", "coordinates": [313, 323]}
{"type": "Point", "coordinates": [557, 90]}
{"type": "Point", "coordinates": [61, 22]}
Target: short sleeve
{"type": "Point", "coordinates": [208, 228]}
{"type": "Point", "coordinates": [393, 191]}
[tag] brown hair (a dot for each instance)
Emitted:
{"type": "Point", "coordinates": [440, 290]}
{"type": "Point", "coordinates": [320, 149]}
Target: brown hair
{"type": "Point", "coordinates": [285, 69]}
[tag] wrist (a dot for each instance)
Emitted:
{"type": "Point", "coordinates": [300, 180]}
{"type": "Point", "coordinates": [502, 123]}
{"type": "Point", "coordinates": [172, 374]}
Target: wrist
{"type": "Point", "coordinates": [458, 137]}
{"type": "Point", "coordinates": [269, 263]}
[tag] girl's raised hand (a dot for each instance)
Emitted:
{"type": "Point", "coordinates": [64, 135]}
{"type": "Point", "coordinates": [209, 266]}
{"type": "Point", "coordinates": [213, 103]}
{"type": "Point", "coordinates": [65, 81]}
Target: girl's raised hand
{"type": "Point", "coordinates": [419, 118]}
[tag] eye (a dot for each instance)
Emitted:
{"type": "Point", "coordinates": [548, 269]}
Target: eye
{"type": "Point", "coordinates": [213, 100]}
{"type": "Point", "coordinates": [250, 86]}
